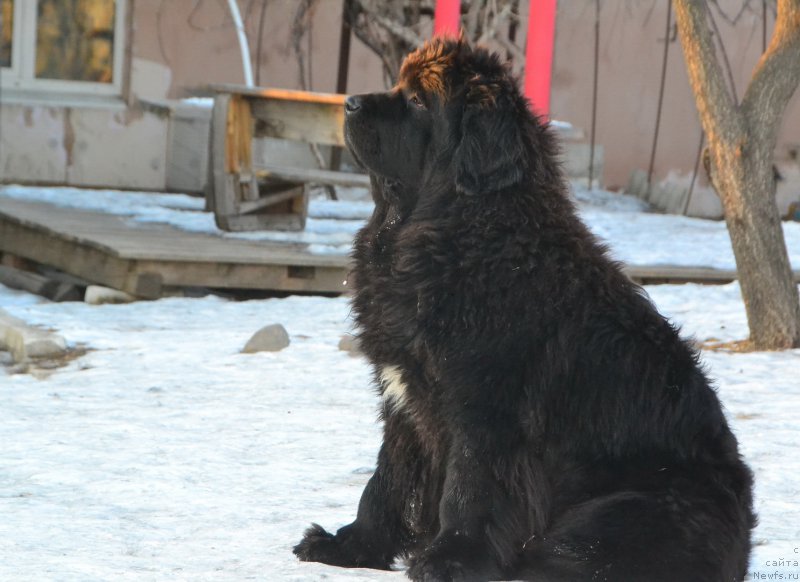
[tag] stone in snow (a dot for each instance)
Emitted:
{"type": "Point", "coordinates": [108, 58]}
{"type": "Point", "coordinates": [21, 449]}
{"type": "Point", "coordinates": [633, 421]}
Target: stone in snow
{"type": "Point", "coordinates": [272, 338]}
{"type": "Point", "coordinates": [99, 295]}
{"type": "Point", "coordinates": [349, 344]}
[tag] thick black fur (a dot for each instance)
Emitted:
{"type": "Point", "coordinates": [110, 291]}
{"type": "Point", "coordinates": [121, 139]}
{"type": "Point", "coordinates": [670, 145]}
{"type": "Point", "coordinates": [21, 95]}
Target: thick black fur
{"type": "Point", "coordinates": [553, 426]}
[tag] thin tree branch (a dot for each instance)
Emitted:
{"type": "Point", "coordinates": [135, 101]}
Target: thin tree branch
{"type": "Point", "coordinates": [472, 17]}
{"type": "Point", "coordinates": [595, 76]}
{"type": "Point", "coordinates": [776, 76]}
{"type": "Point", "coordinates": [364, 33]}
{"type": "Point", "coordinates": [516, 52]}
{"type": "Point", "coordinates": [732, 20]}
{"type": "Point", "coordinates": [492, 27]}
{"type": "Point", "coordinates": [728, 69]}
{"type": "Point", "coordinates": [718, 112]}
{"type": "Point", "coordinates": [397, 30]}
{"type": "Point", "coordinates": [661, 87]}
{"type": "Point", "coordinates": [261, 20]}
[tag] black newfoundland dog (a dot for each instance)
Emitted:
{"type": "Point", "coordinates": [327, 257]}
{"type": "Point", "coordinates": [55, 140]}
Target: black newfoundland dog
{"type": "Point", "coordinates": [542, 420]}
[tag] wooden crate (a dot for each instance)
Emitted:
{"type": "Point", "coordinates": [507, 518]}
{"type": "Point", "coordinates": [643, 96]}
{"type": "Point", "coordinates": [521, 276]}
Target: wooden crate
{"type": "Point", "coordinates": [245, 197]}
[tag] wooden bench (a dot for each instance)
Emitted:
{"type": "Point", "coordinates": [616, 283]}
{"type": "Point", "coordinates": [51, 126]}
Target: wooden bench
{"type": "Point", "coordinates": [245, 197]}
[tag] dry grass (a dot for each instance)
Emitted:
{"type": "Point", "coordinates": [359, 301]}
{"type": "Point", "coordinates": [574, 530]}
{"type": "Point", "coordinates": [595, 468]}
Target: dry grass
{"type": "Point", "coordinates": [44, 367]}
{"type": "Point", "coordinates": [735, 347]}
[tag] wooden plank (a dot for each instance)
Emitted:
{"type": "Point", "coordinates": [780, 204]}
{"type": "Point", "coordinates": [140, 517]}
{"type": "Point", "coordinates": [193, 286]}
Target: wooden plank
{"type": "Point", "coordinates": [43, 246]}
{"type": "Point", "coordinates": [147, 277]}
{"type": "Point", "coordinates": [680, 274]}
{"type": "Point", "coordinates": [37, 284]}
{"type": "Point", "coordinates": [315, 176]}
{"type": "Point", "coordinates": [220, 198]}
{"type": "Point", "coordinates": [243, 128]}
{"type": "Point", "coordinates": [250, 222]}
{"type": "Point", "coordinates": [269, 200]}
{"type": "Point", "coordinates": [273, 94]}
{"type": "Point", "coordinates": [302, 121]}
{"type": "Point", "coordinates": [162, 257]}
{"type": "Point", "coordinates": [115, 236]}
{"type": "Point", "coordinates": [291, 278]}
{"type": "Point", "coordinates": [677, 273]}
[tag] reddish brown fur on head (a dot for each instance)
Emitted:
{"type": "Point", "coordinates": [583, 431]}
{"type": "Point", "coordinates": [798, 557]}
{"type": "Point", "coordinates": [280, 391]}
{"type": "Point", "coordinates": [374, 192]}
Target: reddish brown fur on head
{"type": "Point", "coordinates": [427, 67]}
{"type": "Point", "coordinates": [430, 69]}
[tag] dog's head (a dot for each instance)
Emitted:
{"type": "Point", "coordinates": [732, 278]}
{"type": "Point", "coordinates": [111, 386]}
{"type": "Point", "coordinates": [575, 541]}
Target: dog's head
{"type": "Point", "coordinates": [455, 118]}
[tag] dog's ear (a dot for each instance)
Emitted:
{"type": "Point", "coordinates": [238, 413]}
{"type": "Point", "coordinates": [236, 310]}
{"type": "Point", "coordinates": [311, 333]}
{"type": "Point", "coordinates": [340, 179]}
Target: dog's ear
{"type": "Point", "coordinates": [491, 153]}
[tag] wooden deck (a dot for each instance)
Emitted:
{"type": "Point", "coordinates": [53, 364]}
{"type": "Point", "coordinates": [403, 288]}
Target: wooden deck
{"type": "Point", "coordinates": [147, 260]}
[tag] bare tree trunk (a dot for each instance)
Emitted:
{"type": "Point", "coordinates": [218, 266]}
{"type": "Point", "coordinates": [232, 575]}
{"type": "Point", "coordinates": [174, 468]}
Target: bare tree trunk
{"type": "Point", "coordinates": [741, 145]}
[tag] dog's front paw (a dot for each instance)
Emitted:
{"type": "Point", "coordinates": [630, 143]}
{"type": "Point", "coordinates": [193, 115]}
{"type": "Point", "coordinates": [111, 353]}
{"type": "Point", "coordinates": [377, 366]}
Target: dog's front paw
{"type": "Point", "coordinates": [345, 549]}
{"type": "Point", "coordinates": [432, 569]}
{"type": "Point", "coordinates": [315, 545]}
{"type": "Point", "coordinates": [453, 560]}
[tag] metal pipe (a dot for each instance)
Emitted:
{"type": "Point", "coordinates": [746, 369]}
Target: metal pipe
{"type": "Point", "coordinates": [244, 48]}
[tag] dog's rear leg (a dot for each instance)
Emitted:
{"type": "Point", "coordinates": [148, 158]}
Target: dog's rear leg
{"type": "Point", "coordinates": [677, 533]}
{"type": "Point", "coordinates": [379, 533]}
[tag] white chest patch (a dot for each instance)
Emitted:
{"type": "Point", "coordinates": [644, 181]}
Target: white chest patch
{"type": "Point", "coordinates": [395, 391]}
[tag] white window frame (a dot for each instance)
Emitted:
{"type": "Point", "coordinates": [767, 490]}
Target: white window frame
{"type": "Point", "coordinates": [20, 78]}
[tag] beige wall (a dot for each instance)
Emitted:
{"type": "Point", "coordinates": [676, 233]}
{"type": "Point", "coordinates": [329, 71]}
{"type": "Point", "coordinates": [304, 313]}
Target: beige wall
{"type": "Point", "coordinates": [630, 67]}
{"type": "Point", "coordinates": [200, 47]}
{"type": "Point", "coordinates": [82, 146]}
{"type": "Point", "coordinates": [178, 46]}
{"type": "Point", "coordinates": [631, 52]}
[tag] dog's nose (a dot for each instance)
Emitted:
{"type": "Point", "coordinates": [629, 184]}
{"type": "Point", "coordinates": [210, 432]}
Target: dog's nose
{"type": "Point", "coordinates": [352, 104]}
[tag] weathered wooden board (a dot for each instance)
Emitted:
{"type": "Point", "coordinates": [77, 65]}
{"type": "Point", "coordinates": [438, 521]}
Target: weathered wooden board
{"type": "Point", "coordinates": [299, 120]}
{"type": "Point", "coordinates": [49, 287]}
{"type": "Point", "coordinates": [274, 94]}
{"type": "Point", "coordinates": [657, 274]}
{"type": "Point", "coordinates": [315, 176]}
{"type": "Point", "coordinates": [141, 259]}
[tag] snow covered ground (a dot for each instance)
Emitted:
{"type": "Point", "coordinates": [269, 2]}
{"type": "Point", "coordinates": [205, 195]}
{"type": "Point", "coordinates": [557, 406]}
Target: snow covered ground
{"type": "Point", "coordinates": [166, 454]}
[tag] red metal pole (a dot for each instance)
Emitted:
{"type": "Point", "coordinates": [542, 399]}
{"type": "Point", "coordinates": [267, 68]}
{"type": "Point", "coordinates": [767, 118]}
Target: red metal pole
{"type": "Point", "coordinates": [447, 18]}
{"type": "Point", "coordinates": [539, 54]}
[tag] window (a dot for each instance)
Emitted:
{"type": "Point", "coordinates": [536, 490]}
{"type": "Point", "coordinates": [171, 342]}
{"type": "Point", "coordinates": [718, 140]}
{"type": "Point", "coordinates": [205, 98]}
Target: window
{"type": "Point", "coordinates": [6, 31]}
{"type": "Point", "coordinates": [62, 46]}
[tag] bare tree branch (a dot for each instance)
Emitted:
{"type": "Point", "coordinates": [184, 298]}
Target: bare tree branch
{"type": "Point", "coordinates": [728, 69]}
{"type": "Point", "coordinates": [776, 76]}
{"type": "Point", "coordinates": [398, 30]}
{"type": "Point", "coordinates": [718, 111]}
{"type": "Point", "coordinates": [472, 19]}
{"type": "Point", "coordinates": [516, 52]}
{"type": "Point", "coordinates": [732, 20]}
{"type": "Point", "coordinates": [300, 26]}
{"type": "Point", "coordinates": [493, 24]}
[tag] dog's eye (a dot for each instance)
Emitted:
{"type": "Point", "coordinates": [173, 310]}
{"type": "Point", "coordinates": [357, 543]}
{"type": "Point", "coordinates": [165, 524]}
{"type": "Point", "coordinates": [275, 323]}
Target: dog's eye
{"type": "Point", "coordinates": [416, 101]}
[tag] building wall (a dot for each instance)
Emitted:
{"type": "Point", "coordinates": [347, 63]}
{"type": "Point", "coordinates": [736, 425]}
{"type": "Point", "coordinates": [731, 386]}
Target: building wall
{"type": "Point", "coordinates": [178, 47]}
{"type": "Point", "coordinates": [631, 52]}
{"type": "Point", "coordinates": [48, 136]}
{"type": "Point", "coordinates": [87, 146]}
